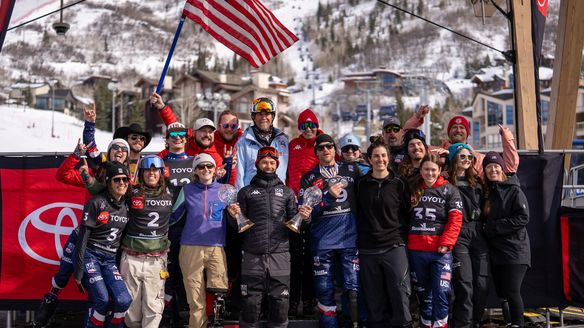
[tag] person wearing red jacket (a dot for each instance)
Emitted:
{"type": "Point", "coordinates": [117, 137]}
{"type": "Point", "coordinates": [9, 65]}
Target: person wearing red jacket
{"type": "Point", "coordinates": [200, 138]}
{"type": "Point", "coordinates": [302, 159]}
{"type": "Point", "coordinates": [436, 219]}
{"type": "Point", "coordinates": [226, 136]}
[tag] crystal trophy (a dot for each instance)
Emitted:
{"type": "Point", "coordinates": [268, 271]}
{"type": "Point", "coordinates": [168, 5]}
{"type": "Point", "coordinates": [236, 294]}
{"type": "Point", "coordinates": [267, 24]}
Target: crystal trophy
{"type": "Point", "coordinates": [312, 196]}
{"type": "Point", "coordinates": [228, 195]}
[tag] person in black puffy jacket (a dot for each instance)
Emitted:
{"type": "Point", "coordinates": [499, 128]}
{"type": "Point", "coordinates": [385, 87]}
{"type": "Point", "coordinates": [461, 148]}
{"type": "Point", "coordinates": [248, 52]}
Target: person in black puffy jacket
{"type": "Point", "coordinates": [268, 203]}
{"type": "Point", "coordinates": [507, 214]}
{"type": "Point", "coordinates": [470, 266]}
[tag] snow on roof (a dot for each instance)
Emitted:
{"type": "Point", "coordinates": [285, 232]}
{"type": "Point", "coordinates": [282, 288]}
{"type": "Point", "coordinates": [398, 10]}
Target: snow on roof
{"type": "Point", "coordinates": [545, 73]}
{"type": "Point", "coordinates": [488, 74]}
{"type": "Point", "coordinates": [25, 85]}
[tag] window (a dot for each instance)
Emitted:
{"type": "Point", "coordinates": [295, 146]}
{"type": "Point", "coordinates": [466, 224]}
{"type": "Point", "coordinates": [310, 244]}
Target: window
{"type": "Point", "coordinates": [494, 141]}
{"type": "Point", "coordinates": [476, 132]}
{"type": "Point", "coordinates": [509, 114]}
{"type": "Point", "coordinates": [388, 81]}
{"type": "Point", "coordinates": [243, 106]}
{"type": "Point", "coordinates": [545, 111]}
{"type": "Point", "coordinates": [494, 114]}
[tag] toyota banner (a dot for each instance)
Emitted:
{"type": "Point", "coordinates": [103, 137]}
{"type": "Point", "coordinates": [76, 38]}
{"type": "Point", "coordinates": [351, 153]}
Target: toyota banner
{"type": "Point", "coordinates": [38, 214]}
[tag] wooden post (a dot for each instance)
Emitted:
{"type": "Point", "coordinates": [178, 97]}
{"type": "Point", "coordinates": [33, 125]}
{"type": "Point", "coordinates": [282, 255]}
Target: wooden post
{"type": "Point", "coordinates": [568, 58]}
{"type": "Point", "coordinates": [524, 76]}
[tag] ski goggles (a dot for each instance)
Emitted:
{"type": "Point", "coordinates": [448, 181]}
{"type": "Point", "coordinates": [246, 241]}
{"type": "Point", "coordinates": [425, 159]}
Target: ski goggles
{"type": "Point", "coordinates": [151, 161]}
{"type": "Point", "coordinates": [263, 105]}
{"type": "Point", "coordinates": [268, 152]}
{"type": "Point", "coordinates": [308, 125]}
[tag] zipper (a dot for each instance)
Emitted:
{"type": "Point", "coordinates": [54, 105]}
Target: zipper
{"type": "Point", "coordinates": [269, 220]}
{"type": "Point", "coordinates": [205, 204]}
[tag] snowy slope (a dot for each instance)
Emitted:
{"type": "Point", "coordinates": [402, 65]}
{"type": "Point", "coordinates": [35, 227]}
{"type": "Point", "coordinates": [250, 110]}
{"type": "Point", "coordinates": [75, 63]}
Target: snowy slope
{"type": "Point", "coordinates": [25, 129]}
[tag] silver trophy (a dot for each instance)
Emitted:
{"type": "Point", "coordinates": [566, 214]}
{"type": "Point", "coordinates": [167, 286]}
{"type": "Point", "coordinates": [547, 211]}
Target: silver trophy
{"type": "Point", "coordinates": [312, 196]}
{"type": "Point", "coordinates": [228, 195]}
{"type": "Point", "coordinates": [338, 179]}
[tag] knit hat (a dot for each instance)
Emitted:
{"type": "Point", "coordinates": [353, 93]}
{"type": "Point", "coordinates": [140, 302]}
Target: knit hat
{"type": "Point", "coordinates": [176, 126]}
{"type": "Point", "coordinates": [459, 120]}
{"type": "Point", "coordinates": [455, 148]}
{"type": "Point", "coordinates": [414, 134]}
{"type": "Point", "coordinates": [307, 115]}
{"type": "Point", "coordinates": [203, 158]}
{"type": "Point", "coordinates": [323, 138]}
{"type": "Point", "coordinates": [267, 151]}
{"type": "Point", "coordinates": [118, 141]}
{"type": "Point", "coordinates": [493, 157]}
{"type": "Point", "coordinates": [114, 169]}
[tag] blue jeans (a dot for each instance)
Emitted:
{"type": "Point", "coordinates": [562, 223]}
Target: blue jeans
{"type": "Point", "coordinates": [104, 282]}
{"type": "Point", "coordinates": [61, 278]}
{"type": "Point", "coordinates": [431, 273]}
{"type": "Point", "coordinates": [324, 274]}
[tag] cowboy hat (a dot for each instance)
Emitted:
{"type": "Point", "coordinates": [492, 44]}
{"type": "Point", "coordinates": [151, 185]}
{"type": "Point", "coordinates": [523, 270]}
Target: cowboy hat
{"type": "Point", "coordinates": [134, 128]}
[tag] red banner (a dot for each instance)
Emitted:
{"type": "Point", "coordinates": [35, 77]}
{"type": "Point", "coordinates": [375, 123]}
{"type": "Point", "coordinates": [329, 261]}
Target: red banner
{"type": "Point", "coordinates": [5, 13]}
{"type": "Point", "coordinates": [38, 214]}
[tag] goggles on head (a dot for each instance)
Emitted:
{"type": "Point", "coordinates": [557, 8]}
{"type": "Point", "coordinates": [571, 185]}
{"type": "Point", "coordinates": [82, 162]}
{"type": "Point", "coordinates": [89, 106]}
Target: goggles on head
{"type": "Point", "coordinates": [263, 105]}
{"type": "Point", "coordinates": [151, 161]}
{"type": "Point", "coordinates": [268, 151]}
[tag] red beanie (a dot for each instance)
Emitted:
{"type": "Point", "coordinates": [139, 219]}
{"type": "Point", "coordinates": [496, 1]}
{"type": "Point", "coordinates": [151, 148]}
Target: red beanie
{"type": "Point", "coordinates": [459, 120]}
{"type": "Point", "coordinates": [307, 116]}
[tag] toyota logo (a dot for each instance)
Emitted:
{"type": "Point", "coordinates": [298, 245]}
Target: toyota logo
{"type": "Point", "coordinates": [33, 220]}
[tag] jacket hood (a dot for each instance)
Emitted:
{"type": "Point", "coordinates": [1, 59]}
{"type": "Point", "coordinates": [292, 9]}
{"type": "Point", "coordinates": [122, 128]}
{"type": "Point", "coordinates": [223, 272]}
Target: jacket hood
{"type": "Point", "coordinates": [265, 180]}
{"type": "Point", "coordinates": [511, 181]}
{"type": "Point", "coordinates": [439, 182]}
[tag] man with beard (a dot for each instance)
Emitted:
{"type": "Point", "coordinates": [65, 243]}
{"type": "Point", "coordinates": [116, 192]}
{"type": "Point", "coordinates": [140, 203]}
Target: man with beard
{"type": "Point", "coordinates": [458, 132]}
{"type": "Point", "coordinates": [199, 139]}
{"type": "Point", "coordinates": [415, 149]}
{"type": "Point", "coordinates": [226, 136]}
{"type": "Point", "coordinates": [261, 134]}
{"type": "Point", "coordinates": [137, 139]}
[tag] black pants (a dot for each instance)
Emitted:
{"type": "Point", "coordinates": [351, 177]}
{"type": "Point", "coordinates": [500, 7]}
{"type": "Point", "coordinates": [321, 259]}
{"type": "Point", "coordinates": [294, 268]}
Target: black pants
{"type": "Point", "coordinates": [301, 274]}
{"type": "Point", "coordinates": [471, 273]}
{"type": "Point", "coordinates": [508, 279]}
{"type": "Point", "coordinates": [266, 274]}
{"type": "Point", "coordinates": [385, 280]}
{"type": "Point", "coordinates": [233, 257]}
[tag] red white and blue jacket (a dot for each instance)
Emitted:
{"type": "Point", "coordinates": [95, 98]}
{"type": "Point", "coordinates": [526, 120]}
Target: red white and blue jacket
{"type": "Point", "coordinates": [437, 218]}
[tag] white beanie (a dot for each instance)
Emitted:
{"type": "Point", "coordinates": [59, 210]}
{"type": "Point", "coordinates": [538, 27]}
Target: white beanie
{"type": "Point", "coordinates": [203, 158]}
{"type": "Point", "coordinates": [117, 141]}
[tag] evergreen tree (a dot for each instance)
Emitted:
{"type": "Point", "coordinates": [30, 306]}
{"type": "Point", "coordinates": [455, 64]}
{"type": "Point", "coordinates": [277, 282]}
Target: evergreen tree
{"type": "Point", "coordinates": [137, 113]}
{"type": "Point", "coordinates": [103, 106]}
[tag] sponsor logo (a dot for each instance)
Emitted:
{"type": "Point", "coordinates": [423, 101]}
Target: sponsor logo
{"type": "Point", "coordinates": [103, 217]}
{"type": "Point", "coordinates": [320, 272]}
{"type": "Point", "coordinates": [298, 147]}
{"type": "Point", "coordinates": [446, 267]}
{"type": "Point", "coordinates": [279, 192]}
{"type": "Point", "coordinates": [93, 280]}
{"type": "Point", "coordinates": [178, 170]}
{"type": "Point", "coordinates": [432, 199]}
{"type": "Point", "coordinates": [285, 292]}
{"type": "Point", "coordinates": [38, 223]}
{"type": "Point", "coordinates": [256, 192]}
{"type": "Point", "coordinates": [90, 267]}
{"type": "Point", "coordinates": [318, 182]}
{"type": "Point", "coordinates": [423, 227]}
{"type": "Point", "coordinates": [137, 202]}
{"type": "Point", "coordinates": [316, 261]}
{"type": "Point", "coordinates": [158, 202]}
{"type": "Point", "coordinates": [243, 290]}
{"type": "Point", "coordinates": [117, 218]}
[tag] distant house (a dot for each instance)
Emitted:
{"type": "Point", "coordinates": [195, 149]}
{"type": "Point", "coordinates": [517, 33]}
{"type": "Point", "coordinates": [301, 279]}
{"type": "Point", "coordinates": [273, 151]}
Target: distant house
{"type": "Point", "coordinates": [145, 89]}
{"type": "Point", "coordinates": [65, 101]}
{"type": "Point", "coordinates": [27, 91]}
{"type": "Point", "coordinates": [191, 89]}
{"type": "Point", "coordinates": [386, 80]}
{"type": "Point", "coordinates": [501, 77]}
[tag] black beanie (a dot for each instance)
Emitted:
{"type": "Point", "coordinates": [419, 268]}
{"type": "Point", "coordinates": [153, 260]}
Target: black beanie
{"type": "Point", "coordinates": [493, 157]}
{"type": "Point", "coordinates": [323, 138]}
{"type": "Point", "coordinates": [413, 134]}
{"type": "Point", "coordinates": [114, 168]}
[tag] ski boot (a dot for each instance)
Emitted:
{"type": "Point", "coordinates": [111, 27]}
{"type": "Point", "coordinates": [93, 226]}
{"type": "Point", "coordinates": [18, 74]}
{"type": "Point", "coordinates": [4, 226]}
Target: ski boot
{"type": "Point", "coordinates": [46, 310]}
{"type": "Point", "coordinates": [218, 308]}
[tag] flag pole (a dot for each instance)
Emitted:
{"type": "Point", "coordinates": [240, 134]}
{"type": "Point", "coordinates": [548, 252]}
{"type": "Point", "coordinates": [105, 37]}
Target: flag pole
{"type": "Point", "coordinates": [170, 52]}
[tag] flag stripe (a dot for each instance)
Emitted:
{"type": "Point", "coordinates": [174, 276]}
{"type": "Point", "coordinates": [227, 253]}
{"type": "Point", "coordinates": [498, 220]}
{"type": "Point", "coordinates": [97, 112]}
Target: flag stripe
{"type": "Point", "coordinates": [230, 43]}
{"type": "Point", "coordinates": [239, 19]}
{"type": "Point", "coordinates": [285, 33]}
{"type": "Point", "coordinates": [245, 26]}
{"type": "Point", "coordinates": [229, 29]}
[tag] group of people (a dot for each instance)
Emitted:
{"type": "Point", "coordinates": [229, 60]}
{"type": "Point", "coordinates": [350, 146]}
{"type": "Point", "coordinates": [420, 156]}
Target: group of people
{"type": "Point", "coordinates": [158, 230]}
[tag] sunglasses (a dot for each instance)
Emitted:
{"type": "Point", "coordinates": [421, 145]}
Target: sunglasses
{"type": "Point", "coordinates": [389, 129]}
{"type": "Point", "coordinates": [307, 125]}
{"type": "Point", "coordinates": [118, 147]}
{"type": "Point", "coordinates": [120, 180]}
{"type": "Point", "coordinates": [205, 166]}
{"type": "Point", "coordinates": [327, 146]}
{"type": "Point", "coordinates": [352, 148]}
{"type": "Point", "coordinates": [231, 126]}
{"type": "Point", "coordinates": [463, 157]}
{"type": "Point", "coordinates": [137, 137]}
{"type": "Point", "coordinates": [177, 134]}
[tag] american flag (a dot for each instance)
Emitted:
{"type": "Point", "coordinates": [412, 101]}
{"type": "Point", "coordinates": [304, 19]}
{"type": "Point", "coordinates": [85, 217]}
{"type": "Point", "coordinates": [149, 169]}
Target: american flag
{"type": "Point", "coordinates": [245, 26]}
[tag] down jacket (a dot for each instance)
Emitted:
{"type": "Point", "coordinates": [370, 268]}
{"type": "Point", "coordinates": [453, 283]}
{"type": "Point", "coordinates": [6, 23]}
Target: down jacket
{"type": "Point", "coordinates": [268, 203]}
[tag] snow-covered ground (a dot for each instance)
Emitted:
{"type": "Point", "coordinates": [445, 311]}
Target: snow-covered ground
{"type": "Point", "coordinates": [25, 130]}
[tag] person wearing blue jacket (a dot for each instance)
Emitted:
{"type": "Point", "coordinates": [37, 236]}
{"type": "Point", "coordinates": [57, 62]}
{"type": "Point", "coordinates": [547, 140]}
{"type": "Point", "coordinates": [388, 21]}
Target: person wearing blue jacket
{"type": "Point", "coordinates": [261, 134]}
{"type": "Point", "coordinates": [333, 230]}
{"type": "Point", "coordinates": [203, 238]}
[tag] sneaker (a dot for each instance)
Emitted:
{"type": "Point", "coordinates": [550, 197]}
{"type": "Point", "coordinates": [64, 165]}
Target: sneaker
{"type": "Point", "coordinates": [46, 310]}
